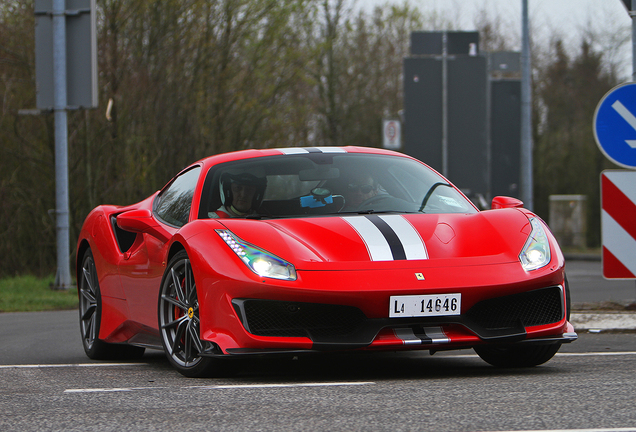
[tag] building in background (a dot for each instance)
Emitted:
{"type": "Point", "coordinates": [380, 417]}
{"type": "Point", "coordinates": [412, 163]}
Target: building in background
{"type": "Point", "coordinates": [462, 112]}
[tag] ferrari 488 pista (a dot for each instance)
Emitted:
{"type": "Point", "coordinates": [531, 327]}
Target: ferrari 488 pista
{"type": "Point", "coordinates": [300, 250]}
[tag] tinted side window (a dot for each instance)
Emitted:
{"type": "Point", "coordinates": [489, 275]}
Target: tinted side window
{"type": "Point", "coordinates": [174, 203]}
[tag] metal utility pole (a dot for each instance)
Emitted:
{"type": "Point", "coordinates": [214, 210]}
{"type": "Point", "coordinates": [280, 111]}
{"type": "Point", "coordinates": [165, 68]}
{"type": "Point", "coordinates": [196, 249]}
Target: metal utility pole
{"type": "Point", "coordinates": [66, 78]}
{"type": "Point", "coordinates": [632, 15]}
{"type": "Point", "coordinates": [445, 104]}
{"type": "Point", "coordinates": [527, 191]}
{"type": "Point", "coordinates": [63, 275]}
{"type": "Point", "coordinates": [630, 5]}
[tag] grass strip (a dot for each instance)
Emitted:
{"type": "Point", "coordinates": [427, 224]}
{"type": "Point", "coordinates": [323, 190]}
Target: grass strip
{"type": "Point", "coordinates": [31, 294]}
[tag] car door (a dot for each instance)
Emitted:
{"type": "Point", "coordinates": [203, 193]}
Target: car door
{"type": "Point", "coordinates": [141, 273]}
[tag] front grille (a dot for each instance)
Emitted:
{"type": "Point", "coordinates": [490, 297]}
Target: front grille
{"type": "Point", "coordinates": [329, 324]}
{"type": "Point", "coordinates": [296, 319]}
{"type": "Point", "coordinates": [531, 308]}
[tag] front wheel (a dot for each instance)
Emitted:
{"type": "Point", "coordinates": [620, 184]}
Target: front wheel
{"type": "Point", "coordinates": [517, 356]}
{"type": "Point", "coordinates": [179, 321]}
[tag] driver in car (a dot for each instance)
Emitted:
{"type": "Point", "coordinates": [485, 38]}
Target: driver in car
{"type": "Point", "coordinates": [359, 189]}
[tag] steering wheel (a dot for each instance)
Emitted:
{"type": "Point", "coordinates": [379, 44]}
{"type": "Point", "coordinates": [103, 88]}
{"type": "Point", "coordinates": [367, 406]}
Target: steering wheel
{"type": "Point", "coordinates": [374, 200]}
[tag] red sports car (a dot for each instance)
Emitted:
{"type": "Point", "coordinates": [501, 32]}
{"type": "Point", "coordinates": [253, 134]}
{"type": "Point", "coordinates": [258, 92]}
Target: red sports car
{"type": "Point", "coordinates": [290, 250]}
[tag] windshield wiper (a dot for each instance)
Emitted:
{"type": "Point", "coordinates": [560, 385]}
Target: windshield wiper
{"type": "Point", "coordinates": [370, 211]}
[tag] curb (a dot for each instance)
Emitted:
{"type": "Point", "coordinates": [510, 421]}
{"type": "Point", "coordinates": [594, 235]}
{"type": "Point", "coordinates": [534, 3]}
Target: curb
{"type": "Point", "coordinates": [595, 322]}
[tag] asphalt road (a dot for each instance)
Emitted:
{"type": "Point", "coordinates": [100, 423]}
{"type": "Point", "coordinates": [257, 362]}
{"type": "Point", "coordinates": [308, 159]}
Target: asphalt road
{"type": "Point", "coordinates": [47, 383]}
{"type": "Point", "coordinates": [590, 384]}
{"type": "Point", "coordinates": [587, 284]}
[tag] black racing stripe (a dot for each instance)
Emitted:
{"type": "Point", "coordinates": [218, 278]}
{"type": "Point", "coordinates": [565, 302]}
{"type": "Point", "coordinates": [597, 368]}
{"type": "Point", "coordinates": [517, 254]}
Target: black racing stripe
{"type": "Point", "coordinates": [313, 150]}
{"type": "Point", "coordinates": [397, 249]}
{"type": "Point", "coordinates": [420, 333]}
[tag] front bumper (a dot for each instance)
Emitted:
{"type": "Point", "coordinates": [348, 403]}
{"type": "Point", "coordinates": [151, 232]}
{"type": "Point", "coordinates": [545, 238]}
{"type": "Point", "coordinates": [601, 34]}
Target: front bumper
{"type": "Point", "coordinates": [500, 303]}
{"type": "Point", "coordinates": [536, 316]}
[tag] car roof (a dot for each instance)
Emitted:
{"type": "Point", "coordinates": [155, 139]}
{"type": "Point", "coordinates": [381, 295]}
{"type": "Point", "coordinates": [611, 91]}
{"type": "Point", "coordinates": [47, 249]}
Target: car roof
{"type": "Point", "coordinates": [256, 153]}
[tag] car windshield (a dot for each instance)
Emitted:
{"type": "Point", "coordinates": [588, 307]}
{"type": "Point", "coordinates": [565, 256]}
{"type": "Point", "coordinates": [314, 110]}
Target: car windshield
{"type": "Point", "coordinates": [328, 184]}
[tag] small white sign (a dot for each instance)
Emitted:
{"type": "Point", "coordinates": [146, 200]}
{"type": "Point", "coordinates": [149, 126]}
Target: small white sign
{"type": "Point", "coordinates": [392, 134]}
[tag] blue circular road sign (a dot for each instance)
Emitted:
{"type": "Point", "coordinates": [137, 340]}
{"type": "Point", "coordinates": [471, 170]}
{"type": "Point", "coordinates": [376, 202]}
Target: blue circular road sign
{"type": "Point", "coordinates": [615, 125]}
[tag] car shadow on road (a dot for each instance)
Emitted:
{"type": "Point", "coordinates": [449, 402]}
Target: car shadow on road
{"type": "Point", "coordinates": [354, 366]}
{"type": "Point", "coordinates": [358, 366]}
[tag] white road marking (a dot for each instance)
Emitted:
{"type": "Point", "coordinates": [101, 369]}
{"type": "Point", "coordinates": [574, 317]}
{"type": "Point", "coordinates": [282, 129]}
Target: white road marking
{"type": "Point", "coordinates": [110, 390]}
{"type": "Point", "coordinates": [221, 387]}
{"type": "Point", "coordinates": [588, 354]}
{"type": "Point", "coordinates": [88, 365]}
{"type": "Point", "coordinates": [248, 386]}
{"type": "Point", "coordinates": [293, 385]}
{"type": "Point", "coordinates": [626, 429]}
{"type": "Point", "coordinates": [35, 366]}
{"type": "Point", "coordinates": [592, 354]}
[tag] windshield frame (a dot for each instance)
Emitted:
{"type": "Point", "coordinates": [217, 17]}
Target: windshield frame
{"type": "Point", "coordinates": [402, 184]}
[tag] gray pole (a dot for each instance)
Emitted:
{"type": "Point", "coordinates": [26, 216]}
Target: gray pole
{"type": "Point", "coordinates": [526, 112]}
{"type": "Point", "coordinates": [489, 79]}
{"type": "Point", "coordinates": [63, 275]}
{"type": "Point", "coordinates": [632, 15]}
{"type": "Point", "coordinates": [445, 104]}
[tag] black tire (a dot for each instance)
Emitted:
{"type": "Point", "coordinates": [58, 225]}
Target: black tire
{"type": "Point", "coordinates": [179, 320]}
{"type": "Point", "coordinates": [517, 356]}
{"type": "Point", "coordinates": [90, 316]}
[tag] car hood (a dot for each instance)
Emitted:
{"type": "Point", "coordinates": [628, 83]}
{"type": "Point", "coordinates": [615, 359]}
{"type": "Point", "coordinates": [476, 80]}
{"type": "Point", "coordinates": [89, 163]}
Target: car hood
{"type": "Point", "coordinates": [377, 241]}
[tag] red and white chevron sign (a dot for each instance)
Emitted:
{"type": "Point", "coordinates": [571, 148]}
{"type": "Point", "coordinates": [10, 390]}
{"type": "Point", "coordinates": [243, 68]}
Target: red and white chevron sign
{"type": "Point", "coordinates": [618, 224]}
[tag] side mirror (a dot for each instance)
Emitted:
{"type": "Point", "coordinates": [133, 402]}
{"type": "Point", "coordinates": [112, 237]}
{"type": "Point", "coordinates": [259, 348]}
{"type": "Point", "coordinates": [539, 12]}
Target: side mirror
{"type": "Point", "coordinates": [141, 221]}
{"type": "Point", "coordinates": [500, 202]}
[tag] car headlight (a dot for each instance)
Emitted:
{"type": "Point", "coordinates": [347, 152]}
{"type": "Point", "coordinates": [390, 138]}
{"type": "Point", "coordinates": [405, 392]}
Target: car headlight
{"type": "Point", "coordinates": [536, 252]}
{"type": "Point", "coordinates": [258, 260]}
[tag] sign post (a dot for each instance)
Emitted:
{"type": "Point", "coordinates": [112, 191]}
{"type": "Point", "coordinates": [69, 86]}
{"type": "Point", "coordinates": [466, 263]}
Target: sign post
{"type": "Point", "coordinates": [618, 223]}
{"type": "Point", "coordinates": [66, 78]}
{"type": "Point", "coordinates": [615, 135]}
{"type": "Point", "coordinates": [630, 5]}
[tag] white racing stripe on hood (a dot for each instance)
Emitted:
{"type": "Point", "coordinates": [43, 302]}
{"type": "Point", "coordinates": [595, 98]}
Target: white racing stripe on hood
{"type": "Point", "coordinates": [305, 150]}
{"type": "Point", "coordinates": [293, 150]}
{"type": "Point", "coordinates": [376, 243]}
{"type": "Point", "coordinates": [411, 241]}
{"type": "Point", "coordinates": [331, 149]}
{"type": "Point", "coordinates": [381, 239]}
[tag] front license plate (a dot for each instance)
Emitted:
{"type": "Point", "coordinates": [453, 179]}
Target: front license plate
{"type": "Point", "coordinates": [425, 305]}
